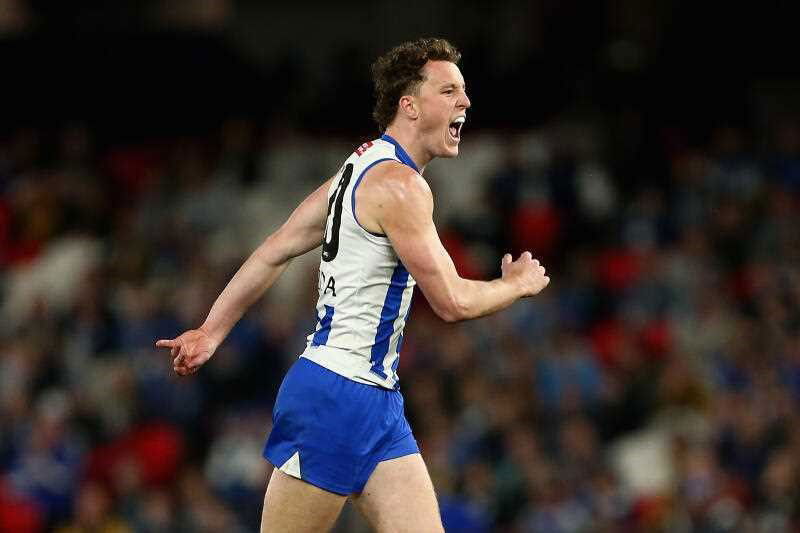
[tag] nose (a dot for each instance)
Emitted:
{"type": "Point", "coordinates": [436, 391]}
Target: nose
{"type": "Point", "coordinates": [465, 103]}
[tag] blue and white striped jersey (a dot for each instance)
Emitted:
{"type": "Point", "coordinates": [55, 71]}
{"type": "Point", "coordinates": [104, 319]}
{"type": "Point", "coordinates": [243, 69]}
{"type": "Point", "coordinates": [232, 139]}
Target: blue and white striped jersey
{"type": "Point", "coordinates": [364, 290]}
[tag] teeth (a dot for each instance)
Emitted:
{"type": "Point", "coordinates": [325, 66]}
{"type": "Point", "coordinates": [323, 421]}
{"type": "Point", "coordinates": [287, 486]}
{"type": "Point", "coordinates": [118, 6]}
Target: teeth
{"type": "Point", "coordinates": [460, 120]}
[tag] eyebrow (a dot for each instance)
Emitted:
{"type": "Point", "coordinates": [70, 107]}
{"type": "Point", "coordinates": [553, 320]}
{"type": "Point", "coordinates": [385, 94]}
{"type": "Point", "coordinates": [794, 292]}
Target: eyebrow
{"type": "Point", "coordinates": [454, 85]}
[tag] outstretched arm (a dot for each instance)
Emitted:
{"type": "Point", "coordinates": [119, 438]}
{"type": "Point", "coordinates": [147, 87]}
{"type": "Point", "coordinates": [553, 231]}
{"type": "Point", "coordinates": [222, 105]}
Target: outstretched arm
{"type": "Point", "coordinates": [303, 231]}
{"type": "Point", "coordinates": [401, 203]}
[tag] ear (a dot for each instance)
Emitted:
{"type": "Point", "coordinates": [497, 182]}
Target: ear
{"type": "Point", "coordinates": [408, 106]}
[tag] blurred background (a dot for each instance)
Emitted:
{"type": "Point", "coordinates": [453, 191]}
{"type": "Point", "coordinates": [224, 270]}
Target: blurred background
{"type": "Point", "coordinates": [647, 151]}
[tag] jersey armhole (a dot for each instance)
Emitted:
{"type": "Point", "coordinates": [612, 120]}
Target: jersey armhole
{"type": "Point", "coordinates": [353, 194]}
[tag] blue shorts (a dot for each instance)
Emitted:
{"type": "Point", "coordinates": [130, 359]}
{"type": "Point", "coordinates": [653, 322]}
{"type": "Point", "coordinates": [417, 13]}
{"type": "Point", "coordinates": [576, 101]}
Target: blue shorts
{"type": "Point", "coordinates": [332, 431]}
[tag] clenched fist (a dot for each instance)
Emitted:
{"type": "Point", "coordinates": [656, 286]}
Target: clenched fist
{"type": "Point", "coordinates": [526, 273]}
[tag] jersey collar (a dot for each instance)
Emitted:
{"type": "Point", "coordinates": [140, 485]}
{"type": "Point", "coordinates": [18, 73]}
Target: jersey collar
{"type": "Point", "coordinates": [401, 154]}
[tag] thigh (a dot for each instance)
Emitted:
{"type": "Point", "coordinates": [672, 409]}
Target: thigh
{"type": "Point", "coordinates": [294, 506]}
{"type": "Point", "coordinates": [399, 497]}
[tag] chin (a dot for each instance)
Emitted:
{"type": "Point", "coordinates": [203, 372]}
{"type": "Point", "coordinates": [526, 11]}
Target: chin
{"type": "Point", "coordinates": [450, 152]}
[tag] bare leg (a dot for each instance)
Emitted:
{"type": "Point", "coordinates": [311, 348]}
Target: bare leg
{"type": "Point", "coordinates": [294, 506]}
{"type": "Point", "coordinates": [399, 497]}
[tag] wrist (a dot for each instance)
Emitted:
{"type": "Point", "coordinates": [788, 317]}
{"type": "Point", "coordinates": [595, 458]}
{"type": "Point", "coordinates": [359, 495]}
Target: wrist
{"type": "Point", "coordinates": [513, 286]}
{"type": "Point", "coordinates": [216, 340]}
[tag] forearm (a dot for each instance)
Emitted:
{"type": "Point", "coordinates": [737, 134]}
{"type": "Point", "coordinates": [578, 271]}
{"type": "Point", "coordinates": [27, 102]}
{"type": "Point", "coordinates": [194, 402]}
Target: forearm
{"type": "Point", "coordinates": [479, 298]}
{"type": "Point", "coordinates": [253, 278]}
{"type": "Point", "coordinates": [455, 298]}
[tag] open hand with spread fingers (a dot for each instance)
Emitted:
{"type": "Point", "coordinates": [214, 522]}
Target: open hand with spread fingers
{"type": "Point", "coordinates": [525, 272]}
{"type": "Point", "coordinates": [189, 350]}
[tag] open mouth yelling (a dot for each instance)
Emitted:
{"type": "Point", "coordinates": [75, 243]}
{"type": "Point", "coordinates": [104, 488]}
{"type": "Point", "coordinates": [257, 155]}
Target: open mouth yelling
{"type": "Point", "coordinates": [455, 128]}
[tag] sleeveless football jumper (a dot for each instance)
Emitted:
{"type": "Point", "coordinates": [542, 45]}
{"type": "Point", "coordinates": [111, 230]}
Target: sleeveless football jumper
{"type": "Point", "coordinates": [339, 411]}
{"type": "Point", "coordinates": [364, 290]}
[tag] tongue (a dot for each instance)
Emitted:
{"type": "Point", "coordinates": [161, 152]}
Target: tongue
{"type": "Point", "coordinates": [454, 131]}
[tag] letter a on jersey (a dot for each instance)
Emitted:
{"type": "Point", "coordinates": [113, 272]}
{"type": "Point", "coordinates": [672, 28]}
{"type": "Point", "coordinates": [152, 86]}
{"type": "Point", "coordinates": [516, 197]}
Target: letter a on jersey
{"type": "Point", "coordinates": [331, 286]}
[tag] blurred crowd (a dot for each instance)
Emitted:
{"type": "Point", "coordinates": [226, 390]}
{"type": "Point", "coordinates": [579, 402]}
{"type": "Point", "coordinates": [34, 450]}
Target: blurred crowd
{"type": "Point", "coordinates": [653, 386]}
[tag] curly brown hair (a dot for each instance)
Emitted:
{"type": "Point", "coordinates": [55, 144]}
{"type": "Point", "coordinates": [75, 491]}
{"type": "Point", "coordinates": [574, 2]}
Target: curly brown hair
{"type": "Point", "coordinates": [398, 72]}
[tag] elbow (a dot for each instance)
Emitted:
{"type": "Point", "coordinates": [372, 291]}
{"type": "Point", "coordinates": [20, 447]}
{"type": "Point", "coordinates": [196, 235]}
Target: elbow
{"type": "Point", "coordinates": [453, 311]}
{"type": "Point", "coordinates": [448, 316]}
{"type": "Point", "coordinates": [454, 319]}
{"type": "Point", "coordinates": [273, 251]}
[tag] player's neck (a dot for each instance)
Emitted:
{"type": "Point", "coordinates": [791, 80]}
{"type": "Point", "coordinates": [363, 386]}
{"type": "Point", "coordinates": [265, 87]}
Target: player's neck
{"type": "Point", "coordinates": [410, 143]}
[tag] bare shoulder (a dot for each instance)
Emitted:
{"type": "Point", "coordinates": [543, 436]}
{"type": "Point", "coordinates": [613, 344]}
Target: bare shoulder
{"type": "Point", "coordinates": [390, 190]}
{"type": "Point", "coordinates": [394, 183]}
